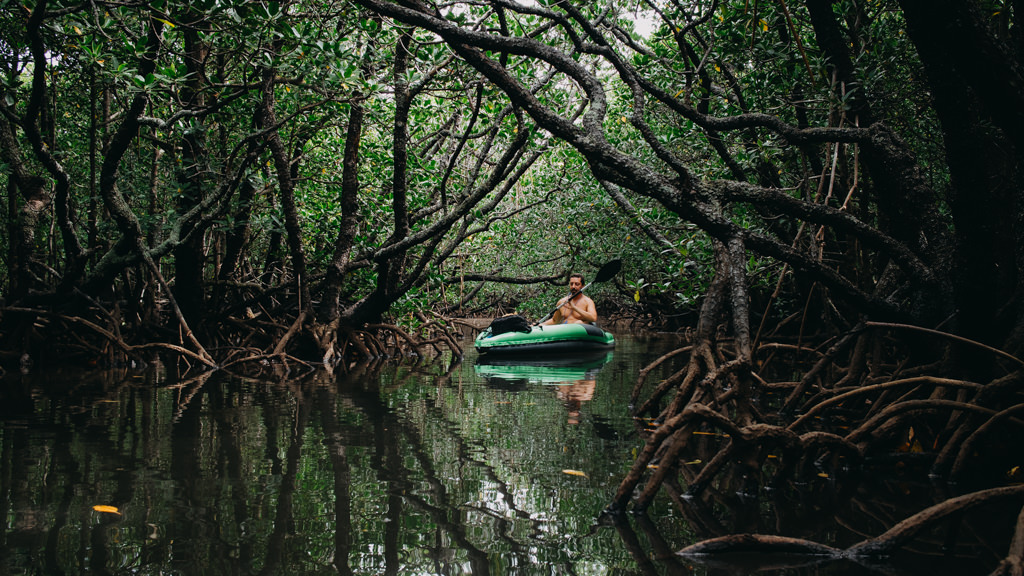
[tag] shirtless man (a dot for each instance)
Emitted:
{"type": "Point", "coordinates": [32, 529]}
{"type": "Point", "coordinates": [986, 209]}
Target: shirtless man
{"type": "Point", "coordinates": [577, 308]}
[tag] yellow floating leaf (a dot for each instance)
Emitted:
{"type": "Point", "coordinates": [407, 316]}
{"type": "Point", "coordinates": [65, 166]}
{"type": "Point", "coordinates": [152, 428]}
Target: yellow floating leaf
{"type": "Point", "coordinates": [652, 466]}
{"type": "Point", "coordinates": [106, 509]}
{"type": "Point", "coordinates": [574, 473]}
{"type": "Point", "coordinates": [823, 475]}
{"type": "Point", "coordinates": [692, 462]}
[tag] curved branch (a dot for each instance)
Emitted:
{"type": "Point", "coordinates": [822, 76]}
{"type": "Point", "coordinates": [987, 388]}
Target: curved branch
{"type": "Point", "coordinates": [758, 543]}
{"type": "Point", "coordinates": [967, 448]}
{"type": "Point", "coordinates": [875, 423]}
{"type": "Point", "coordinates": [817, 408]}
{"type": "Point", "coordinates": [905, 531]}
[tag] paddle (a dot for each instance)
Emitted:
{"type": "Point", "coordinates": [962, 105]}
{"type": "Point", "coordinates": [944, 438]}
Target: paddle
{"type": "Point", "coordinates": [606, 273]}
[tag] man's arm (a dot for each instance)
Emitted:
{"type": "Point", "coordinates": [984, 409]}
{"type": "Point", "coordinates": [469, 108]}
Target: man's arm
{"type": "Point", "coordinates": [586, 310]}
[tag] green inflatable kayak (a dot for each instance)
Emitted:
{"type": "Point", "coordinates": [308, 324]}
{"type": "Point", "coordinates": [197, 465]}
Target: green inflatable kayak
{"type": "Point", "coordinates": [558, 338]}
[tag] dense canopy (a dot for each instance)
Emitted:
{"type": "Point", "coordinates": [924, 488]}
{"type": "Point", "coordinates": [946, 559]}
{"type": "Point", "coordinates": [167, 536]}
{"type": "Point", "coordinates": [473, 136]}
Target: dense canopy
{"type": "Point", "coordinates": [826, 189]}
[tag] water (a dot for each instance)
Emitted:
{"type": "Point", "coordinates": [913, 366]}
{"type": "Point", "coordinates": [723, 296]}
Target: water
{"type": "Point", "coordinates": [437, 468]}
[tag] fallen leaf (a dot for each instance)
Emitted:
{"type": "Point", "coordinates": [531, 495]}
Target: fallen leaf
{"type": "Point", "coordinates": [574, 473]}
{"type": "Point", "coordinates": [692, 462]}
{"type": "Point", "coordinates": [106, 509]}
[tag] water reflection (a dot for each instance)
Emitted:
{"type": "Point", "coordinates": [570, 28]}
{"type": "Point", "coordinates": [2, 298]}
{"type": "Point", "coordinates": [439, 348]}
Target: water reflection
{"type": "Point", "coordinates": [574, 377]}
{"type": "Point", "coordinates": [395, 469]}
{"type": "Point", "coordinates": [441, 468]}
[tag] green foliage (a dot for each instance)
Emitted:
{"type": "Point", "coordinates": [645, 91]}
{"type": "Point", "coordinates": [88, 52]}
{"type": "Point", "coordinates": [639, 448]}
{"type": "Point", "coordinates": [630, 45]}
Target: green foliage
{"type": "Point", "coordinates": [327, 57]}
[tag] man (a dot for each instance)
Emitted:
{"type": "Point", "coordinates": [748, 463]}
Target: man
{"type": "Point", "coordinates": [577, 308]}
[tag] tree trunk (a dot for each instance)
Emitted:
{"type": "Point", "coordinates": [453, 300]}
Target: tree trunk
{"type": "Point", "coordinates": [267, 119]}
{"type": "Point", "coordinates": [978, 92]}
{"type": "Point", "coordinates": [189, 260]}
{"type": "Point", "coordinates": [349, 206]}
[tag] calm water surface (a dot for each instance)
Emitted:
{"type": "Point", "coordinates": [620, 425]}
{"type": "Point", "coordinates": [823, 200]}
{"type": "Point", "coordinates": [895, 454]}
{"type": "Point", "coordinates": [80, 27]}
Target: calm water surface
{"type": "Point", "coordinates": [440, 468]}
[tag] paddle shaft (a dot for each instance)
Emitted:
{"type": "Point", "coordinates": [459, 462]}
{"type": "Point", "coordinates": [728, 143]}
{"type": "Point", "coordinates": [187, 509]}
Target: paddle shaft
{"type": "Point", "coordinates": [569, 299]}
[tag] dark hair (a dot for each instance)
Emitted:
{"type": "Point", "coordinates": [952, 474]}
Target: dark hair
{"type": "Point", "coordinates": [577, 275]}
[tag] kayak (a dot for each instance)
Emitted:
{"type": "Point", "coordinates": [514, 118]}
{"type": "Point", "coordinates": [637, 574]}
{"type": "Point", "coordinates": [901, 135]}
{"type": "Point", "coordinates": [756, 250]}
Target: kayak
{"type": "Point", "coordinates": [556, 338]}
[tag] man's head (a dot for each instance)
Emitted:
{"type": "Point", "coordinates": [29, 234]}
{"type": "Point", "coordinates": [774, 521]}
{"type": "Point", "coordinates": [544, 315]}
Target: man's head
{"type": "Point", "coordinates": [576, 282]}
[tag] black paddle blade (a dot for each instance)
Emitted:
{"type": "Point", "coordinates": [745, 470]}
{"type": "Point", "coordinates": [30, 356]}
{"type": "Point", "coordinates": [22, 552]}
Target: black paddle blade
{"type": "Point", "coordinates": [608, 271]}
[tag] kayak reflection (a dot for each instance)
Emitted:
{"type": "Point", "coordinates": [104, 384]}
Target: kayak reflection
{"type": "Point", "coordinates": [574, 377]}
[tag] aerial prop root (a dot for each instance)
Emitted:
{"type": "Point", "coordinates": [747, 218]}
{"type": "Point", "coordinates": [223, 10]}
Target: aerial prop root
{"type": "Point", "coordinates": [669, 439]}
{"type": "Point", "coordinates": [642, 377]}
{"type": "Point", "coordinates": [975, 438]}
{"type": "Point", "coordinates": [883, 545]}
{"type": "Point", "coordinates": [1013, 564]}
{"type": "Point", "coordinates": [416, 343]}
{"type": "Point", "coordinates": [129, 351]}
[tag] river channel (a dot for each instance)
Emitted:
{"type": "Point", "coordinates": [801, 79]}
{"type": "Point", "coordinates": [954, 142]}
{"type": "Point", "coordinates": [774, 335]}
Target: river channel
{"type": "Point", "coordinates": [405, 467]}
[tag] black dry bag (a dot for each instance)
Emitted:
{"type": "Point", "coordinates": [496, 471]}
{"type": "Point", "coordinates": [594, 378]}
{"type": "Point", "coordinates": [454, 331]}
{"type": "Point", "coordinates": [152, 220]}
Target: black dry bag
{"type": "Point", "coordinates": [511, 323]}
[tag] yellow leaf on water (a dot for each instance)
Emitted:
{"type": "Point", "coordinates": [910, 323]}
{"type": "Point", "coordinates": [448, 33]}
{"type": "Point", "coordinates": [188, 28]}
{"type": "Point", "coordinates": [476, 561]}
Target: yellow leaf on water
{"type": "Point", "coordinates": [574, 473]}
{"type": "Point", "coordinates": [823, 475]}
{"type": "Point", "coordinates": [106, 509]}
{"type": "Point", "coordinates": [692, 462]}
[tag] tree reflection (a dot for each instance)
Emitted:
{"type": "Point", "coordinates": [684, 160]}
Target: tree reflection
{"type": "Point", "coordinates": [380, 469]}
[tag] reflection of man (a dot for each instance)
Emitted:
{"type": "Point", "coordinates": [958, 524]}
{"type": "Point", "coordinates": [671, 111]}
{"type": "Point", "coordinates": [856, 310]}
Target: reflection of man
{"type": "Point", "coordinates": [574, 395]}
{"type": "Point", "coordinates": [576, 308]}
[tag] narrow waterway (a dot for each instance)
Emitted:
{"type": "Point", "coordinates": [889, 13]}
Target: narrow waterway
{"type": "Point", "coordinates": [446, 467]}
